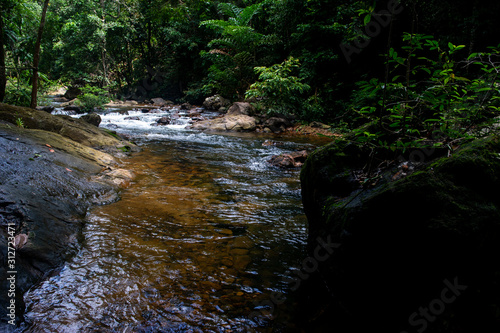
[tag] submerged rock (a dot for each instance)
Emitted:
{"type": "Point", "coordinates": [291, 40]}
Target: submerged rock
{"type": "Point", "coordinates": [387, 247]}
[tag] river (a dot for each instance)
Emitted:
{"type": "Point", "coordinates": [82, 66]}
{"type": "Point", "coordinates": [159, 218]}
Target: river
{"type": "Point", "coordinates": [199, 241]}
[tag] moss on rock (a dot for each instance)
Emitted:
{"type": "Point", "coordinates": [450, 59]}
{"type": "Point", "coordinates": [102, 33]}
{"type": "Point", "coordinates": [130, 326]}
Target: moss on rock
{"type": "Point", "coordinates": [400, 239]}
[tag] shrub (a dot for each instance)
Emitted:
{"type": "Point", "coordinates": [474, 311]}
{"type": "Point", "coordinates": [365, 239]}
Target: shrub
{"type": "Point", "coordinates": [278, 89]}
{"type": "Point", "coordinates": [92, 97]}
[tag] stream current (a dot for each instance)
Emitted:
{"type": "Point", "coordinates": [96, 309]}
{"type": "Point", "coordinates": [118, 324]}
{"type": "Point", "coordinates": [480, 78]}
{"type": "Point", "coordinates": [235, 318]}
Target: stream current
{"type": "Point", "coordinates": [199, 241]}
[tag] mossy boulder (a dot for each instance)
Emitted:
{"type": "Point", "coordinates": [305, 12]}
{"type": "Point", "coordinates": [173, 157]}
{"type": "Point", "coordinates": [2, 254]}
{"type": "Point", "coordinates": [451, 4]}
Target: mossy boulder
{"type": "Point", "coordinates": [75, 129]}
{"type": "Point", "coordinates": [403, 241]}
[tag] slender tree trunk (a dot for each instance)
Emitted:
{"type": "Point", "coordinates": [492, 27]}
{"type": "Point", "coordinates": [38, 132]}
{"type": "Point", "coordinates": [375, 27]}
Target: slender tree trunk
{"type": "Point", "coordinates": [36, 57]}
{"type": "Point", "coordinates": [3, 75]}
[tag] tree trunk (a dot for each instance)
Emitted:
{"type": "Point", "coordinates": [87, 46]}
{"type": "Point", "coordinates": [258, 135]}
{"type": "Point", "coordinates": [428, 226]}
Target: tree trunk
{"type": "Point", "coordinates": [3, 75]}
{"type": "Point", "coordinates": [36, 57]}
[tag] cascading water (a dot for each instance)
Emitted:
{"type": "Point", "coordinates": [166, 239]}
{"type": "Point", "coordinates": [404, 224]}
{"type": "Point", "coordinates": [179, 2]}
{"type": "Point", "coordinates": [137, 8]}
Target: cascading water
{"type": "Point", "coordinates": [206, 232]}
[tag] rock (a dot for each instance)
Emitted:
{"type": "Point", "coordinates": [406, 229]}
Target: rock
{"type": "Point", "coordinates": [215, 103]}
{"type": "Point", "coordinates": [72, 93]}
{"type": "Point", "coordinates": [132, 118]}
{"type": "Point", "coordinates": [317, 124]}
{"type": "Point", "coordinates": [241, 108]}
{"type": "Point", "coordinates": [131, 102]}
{"type": "Point", "coordinates": [60, 99]}
{"type": "Point", "coordinates": [74, 108]}
{"type": "Point", "coordinates": [292, 160]}
{"type": "Point", "coordinates": [277, 124]}
{"type": "Point", "coordinates": [47, 185]}
{"type": "Point", "coordinates": [239, 123]}
{"type": "Point", "coordinates": [406, 241]}
{"type": "Point", "coordinates": [164, 121]}
{"type": "Point", "coordinates": [186, 106]}
{"type": "Point", "coordinates": [71, 128]}
{"type": "Point", "coordinates": [145, 110]}
{"type": "Point", "coordinates": [160, 102]}
{"type": "Point", "coordinates": [48, 109]}
{"type": "Point", "coordinates": [68, 103]}
{"type": "Point", "coordinates": [92, 118]}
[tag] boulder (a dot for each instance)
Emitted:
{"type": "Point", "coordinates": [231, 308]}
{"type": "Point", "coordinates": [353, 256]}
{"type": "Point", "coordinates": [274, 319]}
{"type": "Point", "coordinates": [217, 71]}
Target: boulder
{"type": "Point", "coordinates": [215, 103]}
{"type": "Point", "coordinates": [164, 121]}
{"type": "Point", "coordinates": [389, 249]}
{"type": "Point", "coordinates": [277, 124]}
{"type": "Point", "coordinates": [291, 160]}
{"type": "Point", "coordinates": [132, 118]}
{"type": "Point", "coordinates": [239, 123]}
{"type": "Point", "coordinates": [160, 102]}
{"type": "Point", "coordinates": [92, 118]}
{"type": "Point", "coordinates": [186, 106]}
{"type": "Point", "coordinates": [74, 108]}
{"type": "Point", "coordinates": [241, 108]}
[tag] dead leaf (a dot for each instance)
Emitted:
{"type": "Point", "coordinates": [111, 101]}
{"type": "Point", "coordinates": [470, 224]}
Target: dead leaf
{"type": "Point", "coordinates": [52, 150]}
{"type": "Point", "coordinates": [48, 145]}
{"type": "Point", "coordinates": [20, 240]}
{"type": "Point", "coordinates": [69, 170]}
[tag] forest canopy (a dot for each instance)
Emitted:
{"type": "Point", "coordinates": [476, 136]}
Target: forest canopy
{"type": "Point", "coordinates": [411, 66]}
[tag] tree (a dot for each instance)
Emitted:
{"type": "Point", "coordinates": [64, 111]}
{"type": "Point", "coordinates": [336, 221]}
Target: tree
{"type": "Point", "coordinates": [234, 53]}
{"type": "Point", "coordinates": [36, 57]}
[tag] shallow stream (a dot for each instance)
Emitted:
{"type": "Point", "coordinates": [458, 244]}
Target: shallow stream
{"type": "Point", "coordinates": [205, 233]}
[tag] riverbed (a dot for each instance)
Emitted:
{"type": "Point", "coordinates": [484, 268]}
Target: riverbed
{"type": "Point", "coordinates": [202, 237]}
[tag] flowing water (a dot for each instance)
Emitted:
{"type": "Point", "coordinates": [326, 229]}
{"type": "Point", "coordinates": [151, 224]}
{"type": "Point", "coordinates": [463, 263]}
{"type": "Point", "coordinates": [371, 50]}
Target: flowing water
{"type": "Point", "coordinates": [204, 234]}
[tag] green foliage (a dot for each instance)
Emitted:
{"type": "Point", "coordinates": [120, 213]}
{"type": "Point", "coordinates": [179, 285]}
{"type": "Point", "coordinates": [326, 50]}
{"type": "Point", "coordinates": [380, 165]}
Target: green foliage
{"type": "Point", "coordinates": [18, 93]}
{"type": "Point", "coordinates": [278, 89]}
{"type": "Point", "coordinates": [19, 122]}
{"type": "Point", "coordinates": [92, 98]}
{"type": "Point", "coordinates": [427, 91]}
{"type": "Point", "coordinates": [233, 54]}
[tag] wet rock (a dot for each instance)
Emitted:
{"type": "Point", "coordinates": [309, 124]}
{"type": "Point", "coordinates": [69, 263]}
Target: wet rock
{"type": "Point", "coordinates": [292, 160]}
{"type": "Point", "coordinates": [161, 102]}
{"type": "Point", "coordinates": [132, 118]}
{"type": "Point", "coordinates": [92, 118]}
{"type": "Point", "coordinates": [145, 110]}
{"type": "Point", "coordinates": [164, 121]}
{"type": "Point", "coordinates": [74, 108]}
{"type": "Point", "coordinates": [216, 103]}
{"type": "Point", "coordinates": [69, 103]}
{"type": "Point", "coordinates": [241, 108]}
{"type": "Point", "coordinates": [48, 109]}
{"type": "Point", "coordinates": [186, 106]}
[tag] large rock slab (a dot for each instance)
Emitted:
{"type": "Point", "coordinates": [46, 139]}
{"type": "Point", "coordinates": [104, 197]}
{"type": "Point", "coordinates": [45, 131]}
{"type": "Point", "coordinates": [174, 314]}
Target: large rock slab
{"type": "Point", "coordinates": [411, 248]}
{"type": "Point", "coordinates": [239, 123]}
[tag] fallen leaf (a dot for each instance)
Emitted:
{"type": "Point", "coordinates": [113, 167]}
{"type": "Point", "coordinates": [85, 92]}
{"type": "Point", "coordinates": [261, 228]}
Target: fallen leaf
{"type": "Point", "coordinates": [48, 145]}
{"type": "Point", "coordinates": [52, 150]}
{"type": "Point", "coordinates": [69, 170]}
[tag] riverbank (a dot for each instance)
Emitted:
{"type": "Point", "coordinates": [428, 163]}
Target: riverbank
{"type": "Point", "coordinates": [53, 169]}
